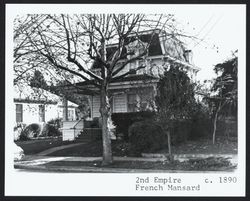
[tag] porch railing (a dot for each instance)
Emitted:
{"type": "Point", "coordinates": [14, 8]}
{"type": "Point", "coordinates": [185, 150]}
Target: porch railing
{"type": "Point", "coordinates": [75, 128]}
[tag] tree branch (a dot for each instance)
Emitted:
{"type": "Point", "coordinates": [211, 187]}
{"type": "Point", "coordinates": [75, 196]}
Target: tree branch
{"type": "Point", "coordinates": [127, 73]}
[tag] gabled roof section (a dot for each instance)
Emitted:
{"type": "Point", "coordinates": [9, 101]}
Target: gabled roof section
{"type": "Point", "coordinates": [27, 100]}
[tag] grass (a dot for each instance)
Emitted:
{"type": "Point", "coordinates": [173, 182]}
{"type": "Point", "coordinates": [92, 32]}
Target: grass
{"type": "Point", "coordinates": [201, 146]}
{"type": "Point", "coordinates": [39, 145]}
{"type": "Point", "coordinates": [94, 149]}
{"type": "Point", "coordinates": [119, 148]}
{"type": "Point", "coordinates": [205, 146]}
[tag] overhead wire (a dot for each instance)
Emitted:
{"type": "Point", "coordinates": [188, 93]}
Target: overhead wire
{"type": "Point", "coordinates": [212, 27]}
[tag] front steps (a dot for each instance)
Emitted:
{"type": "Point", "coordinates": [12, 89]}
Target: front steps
{"type": "Point", "coordinates": [71, 129]}
{"type": "Point", "coordinates": [89, 135]}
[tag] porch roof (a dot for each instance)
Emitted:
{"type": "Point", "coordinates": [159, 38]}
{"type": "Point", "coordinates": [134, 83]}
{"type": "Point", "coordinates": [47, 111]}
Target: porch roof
{"type": "Point", "coordinates": [88, 88]}
{"type": "Point", "coordinates": [130, 78]}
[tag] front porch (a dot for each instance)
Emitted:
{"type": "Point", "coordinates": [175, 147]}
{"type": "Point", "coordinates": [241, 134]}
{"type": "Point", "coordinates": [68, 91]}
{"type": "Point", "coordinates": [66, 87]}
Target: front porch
{"type": "Point", "coordinates": [79, 130]}
{"type": "Point", "coordinates": [135, 93]}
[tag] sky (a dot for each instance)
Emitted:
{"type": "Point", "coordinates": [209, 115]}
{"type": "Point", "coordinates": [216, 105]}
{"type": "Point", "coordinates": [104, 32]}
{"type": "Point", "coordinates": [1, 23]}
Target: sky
{"type": "Point", "coordinates": [221, 29]}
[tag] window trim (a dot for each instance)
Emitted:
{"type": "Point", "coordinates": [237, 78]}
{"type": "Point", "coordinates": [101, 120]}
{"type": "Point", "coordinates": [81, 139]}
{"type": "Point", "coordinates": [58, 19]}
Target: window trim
{"type": "Point", "coordinates": [19, 112]}
{"type": "Point", "coordinates": [41, 113]}
{"type": "Point", "coordinates": [135, 109]}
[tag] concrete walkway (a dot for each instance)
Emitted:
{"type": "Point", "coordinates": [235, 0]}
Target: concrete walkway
{"type": "Point", "coordinates": [51, 150]}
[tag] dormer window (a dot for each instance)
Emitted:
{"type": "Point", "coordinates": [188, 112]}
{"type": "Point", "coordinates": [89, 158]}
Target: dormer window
{"type": "Point", "coordinates": [138, 47]}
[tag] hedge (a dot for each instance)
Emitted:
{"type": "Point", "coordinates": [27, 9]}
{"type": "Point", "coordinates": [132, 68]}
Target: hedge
{"type": "Point", "coordinates": [147, 136]}
{"type": "Point", "coordinates": [123, 121]}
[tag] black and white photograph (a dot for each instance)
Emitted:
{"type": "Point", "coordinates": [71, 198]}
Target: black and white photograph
{"type": "Point", "coordinates": [125, 100]}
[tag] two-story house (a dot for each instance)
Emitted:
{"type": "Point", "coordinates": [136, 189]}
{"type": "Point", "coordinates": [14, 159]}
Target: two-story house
{"type": "Point", "coordinates": [136, 91]}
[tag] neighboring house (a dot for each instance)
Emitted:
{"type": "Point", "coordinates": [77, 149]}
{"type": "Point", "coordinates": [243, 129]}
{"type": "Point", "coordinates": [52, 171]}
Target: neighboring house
{"type": "Point", "coordinates": [136, 92]}
{"type": "Point", "coordinates": [40, 109]}
{"type": "Point", "coordinates": [29, 111]}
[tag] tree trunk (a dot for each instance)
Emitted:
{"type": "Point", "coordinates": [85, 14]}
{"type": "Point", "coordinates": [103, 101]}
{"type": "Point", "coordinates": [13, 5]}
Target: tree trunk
{"type": "Point", "coordinates": [169, 143]}
{"type": "Point", "coordinates": [169, 146]}
{"type": "Point", "coordinates": [106, 136]}
{"type": "Point", "coordinates": [167, 131]}
{"type": "Point", "coordinates": [215, 122]}
{"type": "Point", "coordinates": [215, 126]}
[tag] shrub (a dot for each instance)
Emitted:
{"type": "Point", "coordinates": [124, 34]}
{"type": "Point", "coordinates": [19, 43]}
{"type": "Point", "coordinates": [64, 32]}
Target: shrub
{"type": "Point", "coordinates": [147, 136]}
{"type": "Point", "coordinates": [180, 131]}
{"type": "Point", "coordinates": [200, 128]}
{"type": "Point", "coordinates": [209, 163]}
{"type": "Point", "coordinates": [23, 137]}
{"type": "Point", "coordinates": [18, 128]}
{"type": "Point", "coordinates": [201, 124]}
{"type": "Point", "coordinates": [31, 131]}
{"type": "Point", "coordinates": [226, 128]}
{"type": "Point", "coordinates": [50, 130]}
{"type": "Point", "coordinates": [123, 121]}
{"type": "Point", "coordinates": [57, 123]}
{"type": "Point", "coordinates": [203, 127]}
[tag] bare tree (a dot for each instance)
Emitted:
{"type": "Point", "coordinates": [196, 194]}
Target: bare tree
{"type": "Point", "coordinates": [64, 46]}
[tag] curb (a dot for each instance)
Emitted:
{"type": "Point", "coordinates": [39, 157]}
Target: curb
{"type": "Point", "coordinates": [85, 169]}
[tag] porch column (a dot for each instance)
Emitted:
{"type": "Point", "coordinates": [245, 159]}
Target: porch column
{"type": "Point", "coordinates": [65, 109]}
{"type": "Point", "coordinates": [154, 90]}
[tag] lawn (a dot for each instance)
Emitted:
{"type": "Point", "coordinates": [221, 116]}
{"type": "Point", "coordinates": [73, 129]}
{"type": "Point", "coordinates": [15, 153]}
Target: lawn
{"type": "Point", "coordinates": [201, 146]}
{"type": "Point", "coordinates": [205, 146]}
{"type": "Point", "coordinates": [94, 149]}
{"type": "Point", "coordinates": [39, 145]}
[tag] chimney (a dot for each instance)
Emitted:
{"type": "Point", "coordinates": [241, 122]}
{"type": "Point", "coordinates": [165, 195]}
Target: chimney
{"type": "Point", "coordinates": [188, 55]}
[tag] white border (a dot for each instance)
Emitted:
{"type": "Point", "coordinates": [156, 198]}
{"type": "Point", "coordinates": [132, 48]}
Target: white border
{"type": "Point", "coordinates": [18, 183]}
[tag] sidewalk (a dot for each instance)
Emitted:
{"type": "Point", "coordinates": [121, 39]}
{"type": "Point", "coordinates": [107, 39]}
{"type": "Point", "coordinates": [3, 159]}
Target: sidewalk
{"type": "Point", "coordinates": [38, 163]}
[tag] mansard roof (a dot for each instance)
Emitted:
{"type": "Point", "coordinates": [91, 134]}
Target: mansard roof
{"type": "Point", "coordinates": [149, 36]}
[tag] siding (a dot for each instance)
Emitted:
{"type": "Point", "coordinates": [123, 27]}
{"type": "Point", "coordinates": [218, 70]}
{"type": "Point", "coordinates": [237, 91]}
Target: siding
{"type": "Point", "coordinates": [96, 106]}
{"type": "Point", "coordinates": [31, 112]}
{"type": "Point", "coordinates": [120, 103]}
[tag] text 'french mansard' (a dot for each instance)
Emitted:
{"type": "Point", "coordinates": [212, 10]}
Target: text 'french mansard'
{"type": "Point", "coordinates": [163, 184]}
